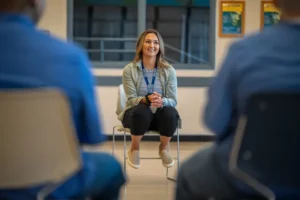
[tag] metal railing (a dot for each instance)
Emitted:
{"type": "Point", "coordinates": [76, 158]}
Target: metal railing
{"type": "Point", "coordinates": [182, 53]}
{"type": "Point", "coordinates": [102, 49]}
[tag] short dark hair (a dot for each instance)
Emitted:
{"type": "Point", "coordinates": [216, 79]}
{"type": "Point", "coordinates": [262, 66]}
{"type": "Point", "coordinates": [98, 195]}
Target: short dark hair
{"type": "Point", "coordinates": [13, 5]}
{"type": "Point", "coordinates": [289, 6]}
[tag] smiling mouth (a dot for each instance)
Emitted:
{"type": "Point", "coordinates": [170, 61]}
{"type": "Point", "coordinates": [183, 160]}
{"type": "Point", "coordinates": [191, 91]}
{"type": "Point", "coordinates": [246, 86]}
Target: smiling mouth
{"type": "Point", "coordinates": [151, 50]}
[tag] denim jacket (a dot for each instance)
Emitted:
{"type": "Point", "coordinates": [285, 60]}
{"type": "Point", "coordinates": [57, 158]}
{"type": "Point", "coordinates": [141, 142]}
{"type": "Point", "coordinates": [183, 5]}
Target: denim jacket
{"type": "Point", "coordinates": [132, 77]}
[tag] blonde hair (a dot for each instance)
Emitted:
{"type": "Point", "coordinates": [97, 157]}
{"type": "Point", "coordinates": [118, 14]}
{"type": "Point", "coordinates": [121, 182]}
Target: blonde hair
{"type": "Point", "coordinates": [160, 61]}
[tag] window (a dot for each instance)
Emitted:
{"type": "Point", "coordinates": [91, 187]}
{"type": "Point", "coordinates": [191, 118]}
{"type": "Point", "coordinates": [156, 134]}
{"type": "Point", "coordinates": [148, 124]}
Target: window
{"type": "Point", "coordinates": [109, 32]}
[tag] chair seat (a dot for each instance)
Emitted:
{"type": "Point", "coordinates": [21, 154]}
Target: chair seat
{"type": "Point", "coordinates": [120, 128]}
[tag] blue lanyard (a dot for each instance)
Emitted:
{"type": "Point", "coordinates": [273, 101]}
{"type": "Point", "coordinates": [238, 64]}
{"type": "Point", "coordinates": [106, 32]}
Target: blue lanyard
{"type": "Point", "coordinates": [150, 88]}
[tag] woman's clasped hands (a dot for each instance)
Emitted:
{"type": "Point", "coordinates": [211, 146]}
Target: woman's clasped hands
{"type": "Point", "coordinates": [156, 100]}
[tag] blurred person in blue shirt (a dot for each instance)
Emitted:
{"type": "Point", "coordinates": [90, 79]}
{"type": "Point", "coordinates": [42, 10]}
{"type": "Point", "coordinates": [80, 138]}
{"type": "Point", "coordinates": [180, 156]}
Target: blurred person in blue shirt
{"type": "Point", "coordinates": [31, 58]}
{"type": "Point", "coordinates": [265, 61]}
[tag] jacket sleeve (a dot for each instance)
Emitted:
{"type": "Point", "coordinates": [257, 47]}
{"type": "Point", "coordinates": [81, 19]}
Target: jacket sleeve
{"type": "Point", "coordinates": [171, 89]}
{"type": "Point", "coordinates": [129, 87]}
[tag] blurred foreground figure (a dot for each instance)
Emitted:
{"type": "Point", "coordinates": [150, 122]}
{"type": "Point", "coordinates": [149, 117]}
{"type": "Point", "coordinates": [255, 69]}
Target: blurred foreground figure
{"type": "Point", "coordinates": [265, 61]}
{"type": "Point", "coordinates": [32, 58]}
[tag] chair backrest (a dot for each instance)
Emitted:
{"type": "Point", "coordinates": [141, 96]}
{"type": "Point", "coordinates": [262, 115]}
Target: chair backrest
{"type": "Point", "coordinates": [121, 101]}
{"type": "Point", "coordinates": [38, 143]}
{"type": "Point", "coordinates": [266, 145]}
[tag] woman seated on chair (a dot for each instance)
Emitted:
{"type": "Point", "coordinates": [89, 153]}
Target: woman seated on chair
{"type": "Point", "coordinates": [150, 84]}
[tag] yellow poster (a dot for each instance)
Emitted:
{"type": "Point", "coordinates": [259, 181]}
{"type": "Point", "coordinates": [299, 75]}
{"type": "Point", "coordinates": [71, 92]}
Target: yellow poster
{"type": "Point", "coordinates": [232, 7]}
{"type": "Point", "coordinates": [232, 18]}
{"type": "Point", "coordinates": [270, 15]}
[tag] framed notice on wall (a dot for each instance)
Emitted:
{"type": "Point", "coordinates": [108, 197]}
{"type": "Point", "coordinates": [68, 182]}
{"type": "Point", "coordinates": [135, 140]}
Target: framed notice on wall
{"type": "Point", "coordinates": [270, 15]}
{"type": "Point", "coordinates": [232, 19]}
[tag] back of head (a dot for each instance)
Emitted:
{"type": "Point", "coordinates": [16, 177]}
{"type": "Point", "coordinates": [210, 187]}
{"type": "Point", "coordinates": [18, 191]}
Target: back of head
{"type": "Point", "coordinates": [289, 8]}
{"type": "Point", "coordinates": [32, 8]}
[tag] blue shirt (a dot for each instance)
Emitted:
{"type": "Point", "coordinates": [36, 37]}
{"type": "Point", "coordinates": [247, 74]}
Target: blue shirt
{"type": "Point", "coordinates": [143, 89]}
{"type": "Point", "coordinates": [31, 58]}
{"type": "Point", "coordinates": [264, 61]}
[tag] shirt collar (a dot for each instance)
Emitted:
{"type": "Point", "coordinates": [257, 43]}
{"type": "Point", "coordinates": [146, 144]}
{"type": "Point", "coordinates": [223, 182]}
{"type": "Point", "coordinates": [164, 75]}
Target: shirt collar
{"type": "Point", "coordinates": [15, 18]}
{"type": "Point", "coordinates": [138, 64]}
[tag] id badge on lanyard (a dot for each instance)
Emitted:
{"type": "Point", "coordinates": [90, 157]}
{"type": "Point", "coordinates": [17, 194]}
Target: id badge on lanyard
{"type": "Point", "coordinates": [149, 87]}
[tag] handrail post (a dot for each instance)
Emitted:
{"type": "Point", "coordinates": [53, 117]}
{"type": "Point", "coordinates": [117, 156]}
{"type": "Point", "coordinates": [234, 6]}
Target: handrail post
{"type": "Point", "coordinates": [101, 51]}
{"type": "Point", "coordinates": [183, 27]}
{"type": "Point", "coordinates": [189, 48]}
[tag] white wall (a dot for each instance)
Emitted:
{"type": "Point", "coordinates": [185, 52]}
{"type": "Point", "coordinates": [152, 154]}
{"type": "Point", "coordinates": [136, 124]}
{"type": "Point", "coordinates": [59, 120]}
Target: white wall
{"type": "Point", "coordinates": [55, 18]}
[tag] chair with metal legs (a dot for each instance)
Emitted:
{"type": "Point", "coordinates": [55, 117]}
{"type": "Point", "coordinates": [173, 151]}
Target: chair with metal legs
{"type": "Point", "coordinates": [120, 128]}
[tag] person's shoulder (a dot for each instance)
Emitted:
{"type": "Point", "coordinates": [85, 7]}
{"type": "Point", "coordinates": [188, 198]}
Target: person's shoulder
{"type": "Point", "coordinates": [240, 45]}
{"type": "Point", "coordinates": [77, 49]}
{"type": "Point", "coordinates": [257, 40]}
{"type": "Point", "coordinates": [246, 52]}
{"type": "Point", "coordinates": [62, 46]}
{"type": "Point", "coordinates": [69, 55]}
{"type": "Point", "coordinates": [169, 69]}
{"type": "Point", "coordinates": [130, 66]}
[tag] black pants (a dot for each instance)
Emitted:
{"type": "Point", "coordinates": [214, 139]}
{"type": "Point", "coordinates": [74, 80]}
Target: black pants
{"type": "Point", "coordinates": [139, 119]}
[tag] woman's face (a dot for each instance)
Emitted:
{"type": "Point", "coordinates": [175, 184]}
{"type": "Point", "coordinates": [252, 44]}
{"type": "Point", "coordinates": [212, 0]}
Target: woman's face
{"type": "Point", "coordinates": [151, 45]}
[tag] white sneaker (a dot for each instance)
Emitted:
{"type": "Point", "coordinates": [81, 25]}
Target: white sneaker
{"type": "Point", "coordinates": [133, 158]}
{"type": "Point", "coordinates": [166, 158]}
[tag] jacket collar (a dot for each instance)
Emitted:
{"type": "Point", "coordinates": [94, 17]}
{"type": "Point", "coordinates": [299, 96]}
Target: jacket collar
{"type": "Point", "coordinates": [138, 64]}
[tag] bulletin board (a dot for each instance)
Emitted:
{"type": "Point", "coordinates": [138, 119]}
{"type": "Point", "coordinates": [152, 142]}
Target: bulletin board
{"type": "Point", "coordinates": [232, 19]}
{"type": "Point", "coordinates": [270, 15]}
